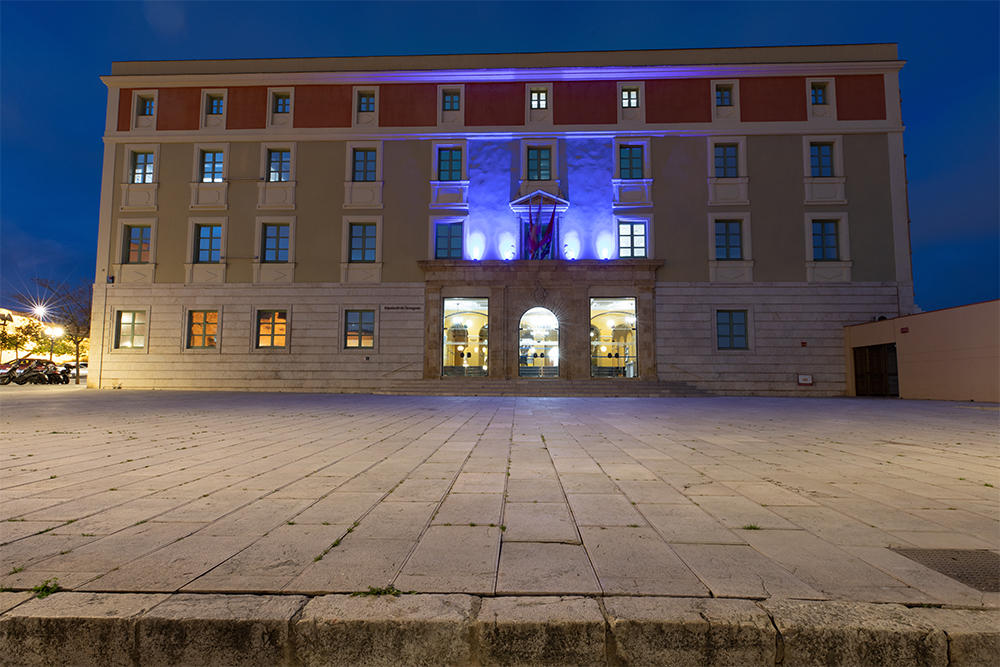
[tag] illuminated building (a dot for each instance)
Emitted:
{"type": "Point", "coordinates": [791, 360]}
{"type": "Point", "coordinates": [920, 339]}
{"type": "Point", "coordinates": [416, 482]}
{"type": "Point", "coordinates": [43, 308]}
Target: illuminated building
{"type": "Point", "coordinates": [690, 220]}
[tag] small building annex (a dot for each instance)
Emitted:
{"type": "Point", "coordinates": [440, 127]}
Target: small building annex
{"type": "Point", "coordinates": [699, 220]}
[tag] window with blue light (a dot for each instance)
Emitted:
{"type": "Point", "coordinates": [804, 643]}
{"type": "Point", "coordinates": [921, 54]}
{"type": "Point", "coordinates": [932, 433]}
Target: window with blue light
{"type": "Point", "coordinates": [728, 239]}
{"type": "Point", "coordinates": [215, 105]}
{"type": "Point", "coordinates": [723, 96]}
{"type": "Point", "coordinates": [449, 164]}
{"type": "Point", "coordinates": [275, 243]}
{"type": "Point", "coordinates": [450, 100]}
{"type": "Point", "coordinates": [364, 237]}
{"type": "Point", "coordinates": [279, 165]}
{"type": "Point", "coordinates": [630, 162]}
{"type": "Point", "coordinates": [208, 243]}
{"type": "Point", "coordinates": [631, 239]}
{"type": "Point", "coordinates": [146, 106]}
{"type": "Point", "coordinates": [726, 164]}
{"type": "Point", "coordinates": [142, 167]}
{"type": "Point", "coordinates": [282, 103]}
{"type": "Point", "coordinates": [819, 93]}
{"type": "Point", "coordinates": [825, 240]}
{"type": "Point", "coordinates": [211, 166]}
{"type": "Point", "coordinates": [448, 240]}
{"type": "Point", "coordinates": [821, 159]}
{"type": "Point", "coordinates": [731, 329]}
{"type": "Point", "coordinates": [539, 163]}
{"type": "Point", "coordinates": [364, 165]}
{"type": "Point", "coordinates": [366, 102]}
{"type": "Point", "coordinates": [359, 329]}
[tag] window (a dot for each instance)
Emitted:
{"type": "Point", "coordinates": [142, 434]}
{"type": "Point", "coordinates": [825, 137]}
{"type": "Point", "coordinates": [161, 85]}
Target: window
{"type": "Point", "coordinates": [612, 338]}
{"type": "Point", "coordinates": [449, 164]}
{"type": "Point", "coordinates": [466, 338]}
{"type": "Point", "coordinates": [818, 91]}
{"type": "Point", "coordinates": [282, 103]}
{"type": "Point", "coordinates": [130, 329]}
{"type": "Point", "coordinates": [363, 242]}
{"type": "Point", "coordinates": [731, 329]}
{"type": "Point", "coordinates": [215, 105]}
{"type": "Point", "coordinates": [145, 106]}
{"type": "Point", "coordinates": [279, 165]}
{"type": "Point", "coordinates": [723, 96]}
{"type": "Point", "coordinates": [274, 243]}
{"type": "Point", "coordinates": [211, 166]}
{"type": "Point", "coordinates": [630, 162]}
{"type": "Point", "coordinates": [821, 159]}
{"type": "Point", "coordinates": [359, 329]}
{"type": "Point", "coordinates": [364, 165]}
{"type": "Point", "coordinates": [448, 240]}
{"type": "Point", "coordinates": [825, 240]}
{"type": "Point", "coordinates": [539, 98]}
{"type": "Point", "coordinates": [137, 242]}
{"type": "Point", "coordinates": [203, 328]}
{"type": "Point", "coordinates": [728, 239]}
{"type": "Point", "coordinates": [366, 101]}
{"type": "Point", "coordinates": [630, 98]}
{"type": "Point", "coordinates": [726, 161]}
{"type": "Point", "coordinates": [539, 163]}
{"type": "Point", "coordinates": [208, 243]}
{"type": "Point", "coordinates": [450, 100]}
{"type": "Point", "coordinates": [142, 167]}
{"type": "Point", "coordinates": [272, 328]}
{"type": "Point", "coordinates": [631, 239]}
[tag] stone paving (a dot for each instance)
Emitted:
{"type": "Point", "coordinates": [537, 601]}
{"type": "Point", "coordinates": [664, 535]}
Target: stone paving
{"type": "Point", "coordinates": [310, 494]}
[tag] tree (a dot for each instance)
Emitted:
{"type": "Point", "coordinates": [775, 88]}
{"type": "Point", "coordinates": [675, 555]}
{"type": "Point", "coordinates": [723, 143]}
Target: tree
{"type": "Point", "coordinates": [28, 335]}
{"type": "Point", "coordinates": [66, 305]}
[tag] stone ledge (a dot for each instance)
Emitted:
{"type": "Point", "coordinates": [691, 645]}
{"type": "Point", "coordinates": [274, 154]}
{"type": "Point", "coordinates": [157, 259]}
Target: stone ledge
{"type": "Point", "coordinates": [81, 629]}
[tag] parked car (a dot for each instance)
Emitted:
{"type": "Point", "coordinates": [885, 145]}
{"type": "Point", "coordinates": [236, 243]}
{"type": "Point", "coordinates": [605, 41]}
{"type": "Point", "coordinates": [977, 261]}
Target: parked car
{"type": "Point", "coordinates": [31, 369]}
{"type": "Point", "coordinates": [72, 369]}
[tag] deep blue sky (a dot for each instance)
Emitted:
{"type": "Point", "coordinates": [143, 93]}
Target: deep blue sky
{"type": "Point", "coordinates": [52, 103]}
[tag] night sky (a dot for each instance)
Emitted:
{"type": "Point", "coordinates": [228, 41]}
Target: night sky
{"type": "Point", "coordinates": [52, 103]}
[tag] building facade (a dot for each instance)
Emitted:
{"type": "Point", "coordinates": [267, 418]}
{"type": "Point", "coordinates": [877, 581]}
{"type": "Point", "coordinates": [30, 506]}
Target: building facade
{"type": "Point", "coordinates": [702, 220]}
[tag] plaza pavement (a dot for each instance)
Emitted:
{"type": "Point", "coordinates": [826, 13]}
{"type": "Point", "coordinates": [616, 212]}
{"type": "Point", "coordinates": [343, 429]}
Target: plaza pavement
{"type": "Point", "coordinates": [575, 521]}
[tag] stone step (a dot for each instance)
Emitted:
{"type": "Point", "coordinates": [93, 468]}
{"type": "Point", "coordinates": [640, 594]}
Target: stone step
{"type": "Point", "coordinates": [542, 388]}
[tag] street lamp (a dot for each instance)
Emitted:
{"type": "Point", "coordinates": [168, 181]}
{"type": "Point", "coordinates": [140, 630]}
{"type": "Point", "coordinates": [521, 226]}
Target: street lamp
{"type": "Point", "coordinates": [52, 333]}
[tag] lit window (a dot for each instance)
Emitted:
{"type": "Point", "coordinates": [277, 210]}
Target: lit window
{"type": "Point", "coordinates": [271, 328]}
{"type": "Point", "coordinates": [821, 159]}
{"type": "Point", "coordinates": [540, 98]}
{"type": "Point", "coordinates": [731, 329]}
{"type": "Point", "coordinates": [208, 246]}
{"type": "Point", "coordinates": [359, 331]}
{"type": "Point", "coordinates": [130, 329]}
{"type": "Point", "coordinates": [137, 240]}
{"type": "Point", "coordinates": [723, 96]}
{"type": "Point", "coordinates": [726, 165]}
{"type": "Point", "coordinates": [630, 161]}
{"type": "Point", "coordinates": [449, 164]}
{"type": "Point", "coordinates": [282, 103]}
{"type": "Point", "coordinates": [728, 239]}
{"type": "Point", "coordinates": [450, 100]}
{"type": "Point", "coordinates": [142, 167]}
{"type": "Point", "coordinates": [215, 105]}
{"type": "Point", "coordinates": [366, 102]}
{"type": "Point", "coordinates": [539, 163]}
{"type": "Point", "coordinates": [825, 240]}
{"type": "Point", "coordinates": [146, 106]}
{"type": "Point", "coordinates": [279, 165]}
{"type": "Point", "coordinates": [363, 240]}
{"type": "Point", "coordinates": [448, 241]}
{"type": "Point", "coordinates": [364, 164]}
{"type": "Point", "coordinates": [630, 98]}
{"type": "Point", "coordinates": [211, 166]}
{"type": "Point", "coordinates": [631, 239]}
{"type": "Point", "coordinates": [819, 93]}
{"type": "Point", "coordinates": [275, 243]}
{"type": "Point", "coordinates": [203, 328]}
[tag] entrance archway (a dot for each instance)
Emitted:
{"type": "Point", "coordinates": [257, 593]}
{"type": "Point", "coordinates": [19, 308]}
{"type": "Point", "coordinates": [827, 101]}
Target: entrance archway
{"type": "Point", "coordinates": [538, 344]}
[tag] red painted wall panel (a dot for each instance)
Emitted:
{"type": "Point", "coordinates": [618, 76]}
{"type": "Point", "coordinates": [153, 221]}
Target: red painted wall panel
{"type": "Point", "coordinates": [247, 108]}
{"type": "Point", "coordinates": [407, 105]}
{"type": "Point", "coordinates": [179, 108]}
{"type": "Point", "coordinates": [678, 101]}
{"type": "Point", "coordinates": [861, 97]}
{"type": "Point", "coordinates": [124, 109]}
{"type": "Point", "coordinates": [770, 99]}
{"type": "Point", "coordinates": [585, 102]}
{"type": "Point", "coordinates": [323, 106]}
{"type": "Point", "coordinates": [494, 104]}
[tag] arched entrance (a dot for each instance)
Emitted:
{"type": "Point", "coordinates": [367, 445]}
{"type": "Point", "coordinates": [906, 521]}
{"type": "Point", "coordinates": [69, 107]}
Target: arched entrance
{"type": "Point", "coordinates": [538, 344]}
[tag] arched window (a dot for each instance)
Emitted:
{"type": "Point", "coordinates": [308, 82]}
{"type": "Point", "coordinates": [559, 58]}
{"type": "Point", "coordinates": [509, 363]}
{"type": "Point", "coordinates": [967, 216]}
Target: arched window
{"type": "Point", "coordinates": [538, 344]}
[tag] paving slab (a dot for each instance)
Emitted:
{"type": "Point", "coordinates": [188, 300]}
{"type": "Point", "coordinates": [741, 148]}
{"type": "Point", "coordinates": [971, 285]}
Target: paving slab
{"type": "Point", "coordinates": [533, 568]}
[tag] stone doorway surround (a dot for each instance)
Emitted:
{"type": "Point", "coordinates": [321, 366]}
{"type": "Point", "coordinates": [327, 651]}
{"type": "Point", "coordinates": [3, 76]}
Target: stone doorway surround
{"type": "Point", "coordinates": [564, 287]}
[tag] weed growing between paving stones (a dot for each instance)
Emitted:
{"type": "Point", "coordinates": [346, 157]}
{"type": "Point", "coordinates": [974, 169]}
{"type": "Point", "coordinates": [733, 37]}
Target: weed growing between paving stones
{"type": "Point", "coordinates": [16, 570]}
{"type": "Point", "coordinates": [388, 590]}
{"type": "Point", "coordinates": [46, 588]}
{"type": "Point", "coordinates": [751, 526]}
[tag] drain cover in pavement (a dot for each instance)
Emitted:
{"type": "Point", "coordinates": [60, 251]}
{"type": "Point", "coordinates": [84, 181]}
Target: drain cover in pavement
{"type": "Point", "coordinates": [976, 568]}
